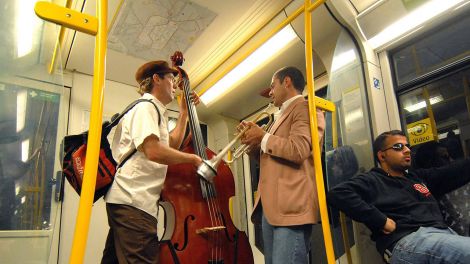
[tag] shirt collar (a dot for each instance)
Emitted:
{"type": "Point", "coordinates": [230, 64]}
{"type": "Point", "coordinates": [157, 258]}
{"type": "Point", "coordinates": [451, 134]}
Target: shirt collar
{"type": "Point", "coordinates": [155, 100]}
{"type": "Point", "coordinates": [287, 103]}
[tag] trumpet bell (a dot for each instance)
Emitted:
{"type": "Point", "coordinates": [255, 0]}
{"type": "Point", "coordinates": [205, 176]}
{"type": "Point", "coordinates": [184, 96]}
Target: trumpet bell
{"type": "Point", "coordinates": [245, 148]}
{"type": "Point", "coordinates": [238, 153]}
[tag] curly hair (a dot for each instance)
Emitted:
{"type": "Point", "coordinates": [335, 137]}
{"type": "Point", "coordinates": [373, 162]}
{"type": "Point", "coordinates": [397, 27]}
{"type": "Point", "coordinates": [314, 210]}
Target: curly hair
{"type": "Point", "coordinates": [146, 85]}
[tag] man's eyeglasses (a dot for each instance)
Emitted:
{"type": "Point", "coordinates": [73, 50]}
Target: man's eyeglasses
{"type": "Point", "coordinates": [398, 147]}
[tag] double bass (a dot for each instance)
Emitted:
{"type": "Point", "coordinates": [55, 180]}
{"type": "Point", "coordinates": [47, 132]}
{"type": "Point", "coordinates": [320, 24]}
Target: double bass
{"type": "Point", "coordinates": [198, 226]}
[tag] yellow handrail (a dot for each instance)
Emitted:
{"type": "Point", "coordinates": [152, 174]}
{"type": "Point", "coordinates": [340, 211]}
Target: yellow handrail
{"type": "Point", "coordinates": [342, 216]}
{"type": "Point", "coordinates": [60, 38]}
{"type": "Point", "coordinates": [231, 52]}
{"type": "Point", "coordinates": [93, 26]}
{"type": "Point", "coordinates": [245, 55]}
{"type": "Point", "coordinates": [59, 41]}
{"type": "Point", "coordinates": [329, 106]}
{"type": "Point", "coordinates": [67, 17]}
{"type": "Point", "coordinates": [94, 136]}
{"type": "Point", "coordinates": [330, 254]}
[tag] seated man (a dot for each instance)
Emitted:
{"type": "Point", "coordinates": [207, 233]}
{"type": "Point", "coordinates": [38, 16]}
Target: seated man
{"type": "Point", "coordinates": [399, 207]}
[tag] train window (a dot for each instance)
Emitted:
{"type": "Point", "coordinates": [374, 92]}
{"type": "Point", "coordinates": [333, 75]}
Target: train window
{"type": "Point", "coordinates": [432, 111]}
{"type": "Point", "coordinates": [30, 127]}
{"type": "Point", "coordinates": [436, 116]}
{"type": "Point", "coordinates": [444, 46]}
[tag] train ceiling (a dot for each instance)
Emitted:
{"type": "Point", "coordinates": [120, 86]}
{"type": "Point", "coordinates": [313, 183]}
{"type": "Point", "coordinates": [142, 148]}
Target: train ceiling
{"type": "Point", "coordinates": [155, 29]}
{"type": "Point", "coordinates": [206, 30]}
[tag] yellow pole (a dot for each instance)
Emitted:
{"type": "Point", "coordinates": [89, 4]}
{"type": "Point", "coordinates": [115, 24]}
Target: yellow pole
{"type": "Point", "coordinates": [92, 153]}
{"type": "Point", "coordinates": [251, 50]}
{"type": "Point", "coordinates": [334, 129]}
{"type": "Point", "coordinates": [330, 254]}
{"type": "Point", "coordinates": [342, 216]}
{"type": "Point", "coordinates": [344, 229]}
{"type": "Point", "coordinates": [58, 42]}
{"type": "Point", "coordinates": [430, 113]}
{"type": "Point", "coordinates": [243, 41]}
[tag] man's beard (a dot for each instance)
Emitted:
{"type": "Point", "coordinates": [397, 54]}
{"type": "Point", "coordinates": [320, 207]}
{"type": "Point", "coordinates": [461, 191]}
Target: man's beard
{"type": "Point", "coordinates": [401, 167]}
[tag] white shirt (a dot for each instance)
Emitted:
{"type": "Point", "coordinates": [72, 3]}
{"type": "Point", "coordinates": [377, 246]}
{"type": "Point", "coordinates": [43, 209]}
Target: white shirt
{"type": "Point", "coordinates": [278, 114]}
{"type": "Point", "coordinates": [139, 181]}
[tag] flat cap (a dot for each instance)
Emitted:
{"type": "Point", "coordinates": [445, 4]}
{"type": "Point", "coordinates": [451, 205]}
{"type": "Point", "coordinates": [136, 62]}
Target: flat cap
{"type": "Point", "coordinates": [150, 68]}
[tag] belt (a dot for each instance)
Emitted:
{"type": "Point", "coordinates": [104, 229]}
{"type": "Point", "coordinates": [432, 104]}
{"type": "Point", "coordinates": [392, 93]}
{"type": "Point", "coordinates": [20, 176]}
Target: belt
{"type": "Point", "coordinates": [387, 256]}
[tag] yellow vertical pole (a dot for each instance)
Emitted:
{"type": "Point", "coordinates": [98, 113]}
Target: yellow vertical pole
{"type": "Point", "coordinates": [94, 137]}
{"type": "Point", "coordinates": [344, 230]}
{"type": "Point", "coordinates": [342, 216]}
{"type": "Point", "coordinates": [430, 113]}
{"type": "Point", "coordinates": [330, 255]}
{"type": "Point", "coordinates": [334, 129]}
{"type": "Point", "coordinates": [59, 41]}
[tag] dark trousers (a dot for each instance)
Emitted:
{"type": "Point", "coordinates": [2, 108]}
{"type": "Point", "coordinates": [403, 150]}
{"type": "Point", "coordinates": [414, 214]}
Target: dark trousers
{"type": "Point", "coordinates": [132, 236]}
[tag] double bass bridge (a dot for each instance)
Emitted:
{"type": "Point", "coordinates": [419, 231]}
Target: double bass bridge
{"type": "Point", "coordinates": [207, 230]}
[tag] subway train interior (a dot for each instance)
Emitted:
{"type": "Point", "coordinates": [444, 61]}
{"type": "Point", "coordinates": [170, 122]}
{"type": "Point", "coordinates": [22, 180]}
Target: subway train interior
{"type": "Point", "coordinates": [370, 65]}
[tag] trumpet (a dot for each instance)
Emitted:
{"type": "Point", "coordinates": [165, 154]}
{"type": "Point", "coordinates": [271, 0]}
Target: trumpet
{"type": "Point", "coordinates": [208, 170]}
{"type": "Point", "coordinates": [243, 148]}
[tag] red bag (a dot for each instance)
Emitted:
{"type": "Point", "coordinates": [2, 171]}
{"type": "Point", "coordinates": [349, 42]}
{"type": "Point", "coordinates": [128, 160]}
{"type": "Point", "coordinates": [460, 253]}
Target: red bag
{"type": "Point", "coordinates": [73, 163]}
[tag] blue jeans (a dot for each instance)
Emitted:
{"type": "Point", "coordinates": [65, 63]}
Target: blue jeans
{"type": "Point", "coordinates": [432, 245]}
{"type": "Point", "coordinates": [286, 244]}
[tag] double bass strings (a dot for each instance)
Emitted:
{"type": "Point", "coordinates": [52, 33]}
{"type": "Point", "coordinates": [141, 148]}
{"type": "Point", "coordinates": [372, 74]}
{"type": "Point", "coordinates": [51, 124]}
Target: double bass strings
{"type": "Point", "coordinates": [206, 187]}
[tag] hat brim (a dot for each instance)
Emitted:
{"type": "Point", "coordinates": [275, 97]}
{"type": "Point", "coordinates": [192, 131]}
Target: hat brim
{"type": "Point", "coordinates": [172, 71]}
{"type": "Point", "coordinates": [175, 72]}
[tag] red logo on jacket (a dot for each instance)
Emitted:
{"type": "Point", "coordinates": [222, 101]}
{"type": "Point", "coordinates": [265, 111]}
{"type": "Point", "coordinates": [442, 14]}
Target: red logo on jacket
{"type": "Point", "coordinates": [422, 189]}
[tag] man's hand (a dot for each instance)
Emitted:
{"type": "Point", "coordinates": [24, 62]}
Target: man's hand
{"type": "Point", "coordinates": [253, 135]}
{"type": "Point", "coordinates": [184, 106]}
{"type": "Point", "coordinates": [389, 226]}
{"type": "Point", "coordinates": [196, 160]}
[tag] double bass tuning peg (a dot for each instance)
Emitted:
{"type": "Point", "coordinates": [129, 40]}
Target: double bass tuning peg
{"type": "Point", "coordinates": [177, 59]}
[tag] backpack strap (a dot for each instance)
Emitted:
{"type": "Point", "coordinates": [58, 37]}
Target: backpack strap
{"type": "Point", "coordinates": [126, 159]}
{"type": "Point", "coordinates": [116, 118]}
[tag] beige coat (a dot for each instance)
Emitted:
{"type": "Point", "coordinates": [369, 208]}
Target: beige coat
{"type": "Point", "coordinates": [286, 187]}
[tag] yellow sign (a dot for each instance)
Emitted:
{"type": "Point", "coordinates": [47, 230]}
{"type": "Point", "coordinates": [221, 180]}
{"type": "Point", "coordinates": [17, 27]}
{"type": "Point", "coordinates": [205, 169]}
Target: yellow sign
{"type": "Point", "coordinates": [420, 132]}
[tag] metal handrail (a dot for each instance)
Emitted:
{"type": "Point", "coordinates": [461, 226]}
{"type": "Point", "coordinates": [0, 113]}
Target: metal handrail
{"type": "Point", "coordinates": [316, 153]}
{"type": "Point", "coordinates": [98, 27]}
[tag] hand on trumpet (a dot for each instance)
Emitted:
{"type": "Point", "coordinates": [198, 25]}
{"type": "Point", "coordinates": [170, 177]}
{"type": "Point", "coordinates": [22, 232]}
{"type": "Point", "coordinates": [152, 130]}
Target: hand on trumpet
{"type": "Point", "coordinates": [253, 134]}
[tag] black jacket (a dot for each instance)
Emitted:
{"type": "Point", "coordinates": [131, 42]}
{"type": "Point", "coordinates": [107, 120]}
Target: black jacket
{"type": "Point", "coordinates": [410, 201]}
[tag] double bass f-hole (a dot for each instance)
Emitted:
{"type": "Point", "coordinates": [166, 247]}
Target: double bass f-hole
{"type": "Point", "coordinates": [185, 241]}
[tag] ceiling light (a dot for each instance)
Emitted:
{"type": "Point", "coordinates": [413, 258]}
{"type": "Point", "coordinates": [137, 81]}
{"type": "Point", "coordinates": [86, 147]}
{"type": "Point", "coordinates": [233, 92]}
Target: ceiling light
{"type": "Point", "coordinates": [21, 101]}
{"type": "Point", "coordinates": [353, 116]}
{"type": "Point", "coordinates": [412, 21]}
{"type": "Point", "coordinates": [259, 56]}
{"type": "Point", "coordinates": [343, 59]}
{"type": "Point", "coordinates": [25, 150]}
{"type": "Point", "coordinates": [422, 104]}
{"type": "Point", "coordinates": [25, 20]}
{"type": "Point", "coordinates": [444, 135]}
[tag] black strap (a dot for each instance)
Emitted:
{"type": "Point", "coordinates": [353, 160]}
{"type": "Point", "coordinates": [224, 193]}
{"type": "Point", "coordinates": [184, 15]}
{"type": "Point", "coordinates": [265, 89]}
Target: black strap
{"type": "Point", "coordinates": [115, 120]}
{"type": "Point", "coordinates": [126, 159]}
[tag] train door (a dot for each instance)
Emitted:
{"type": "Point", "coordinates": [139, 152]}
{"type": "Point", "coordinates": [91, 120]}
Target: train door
{"type": "Point", "coordinates": [33, 120]}
{"type": "Point", "coordinates": [348, 142]}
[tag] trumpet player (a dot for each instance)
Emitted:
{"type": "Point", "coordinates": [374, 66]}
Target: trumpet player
{"type": "Point", "coordinates": [287, 195]}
